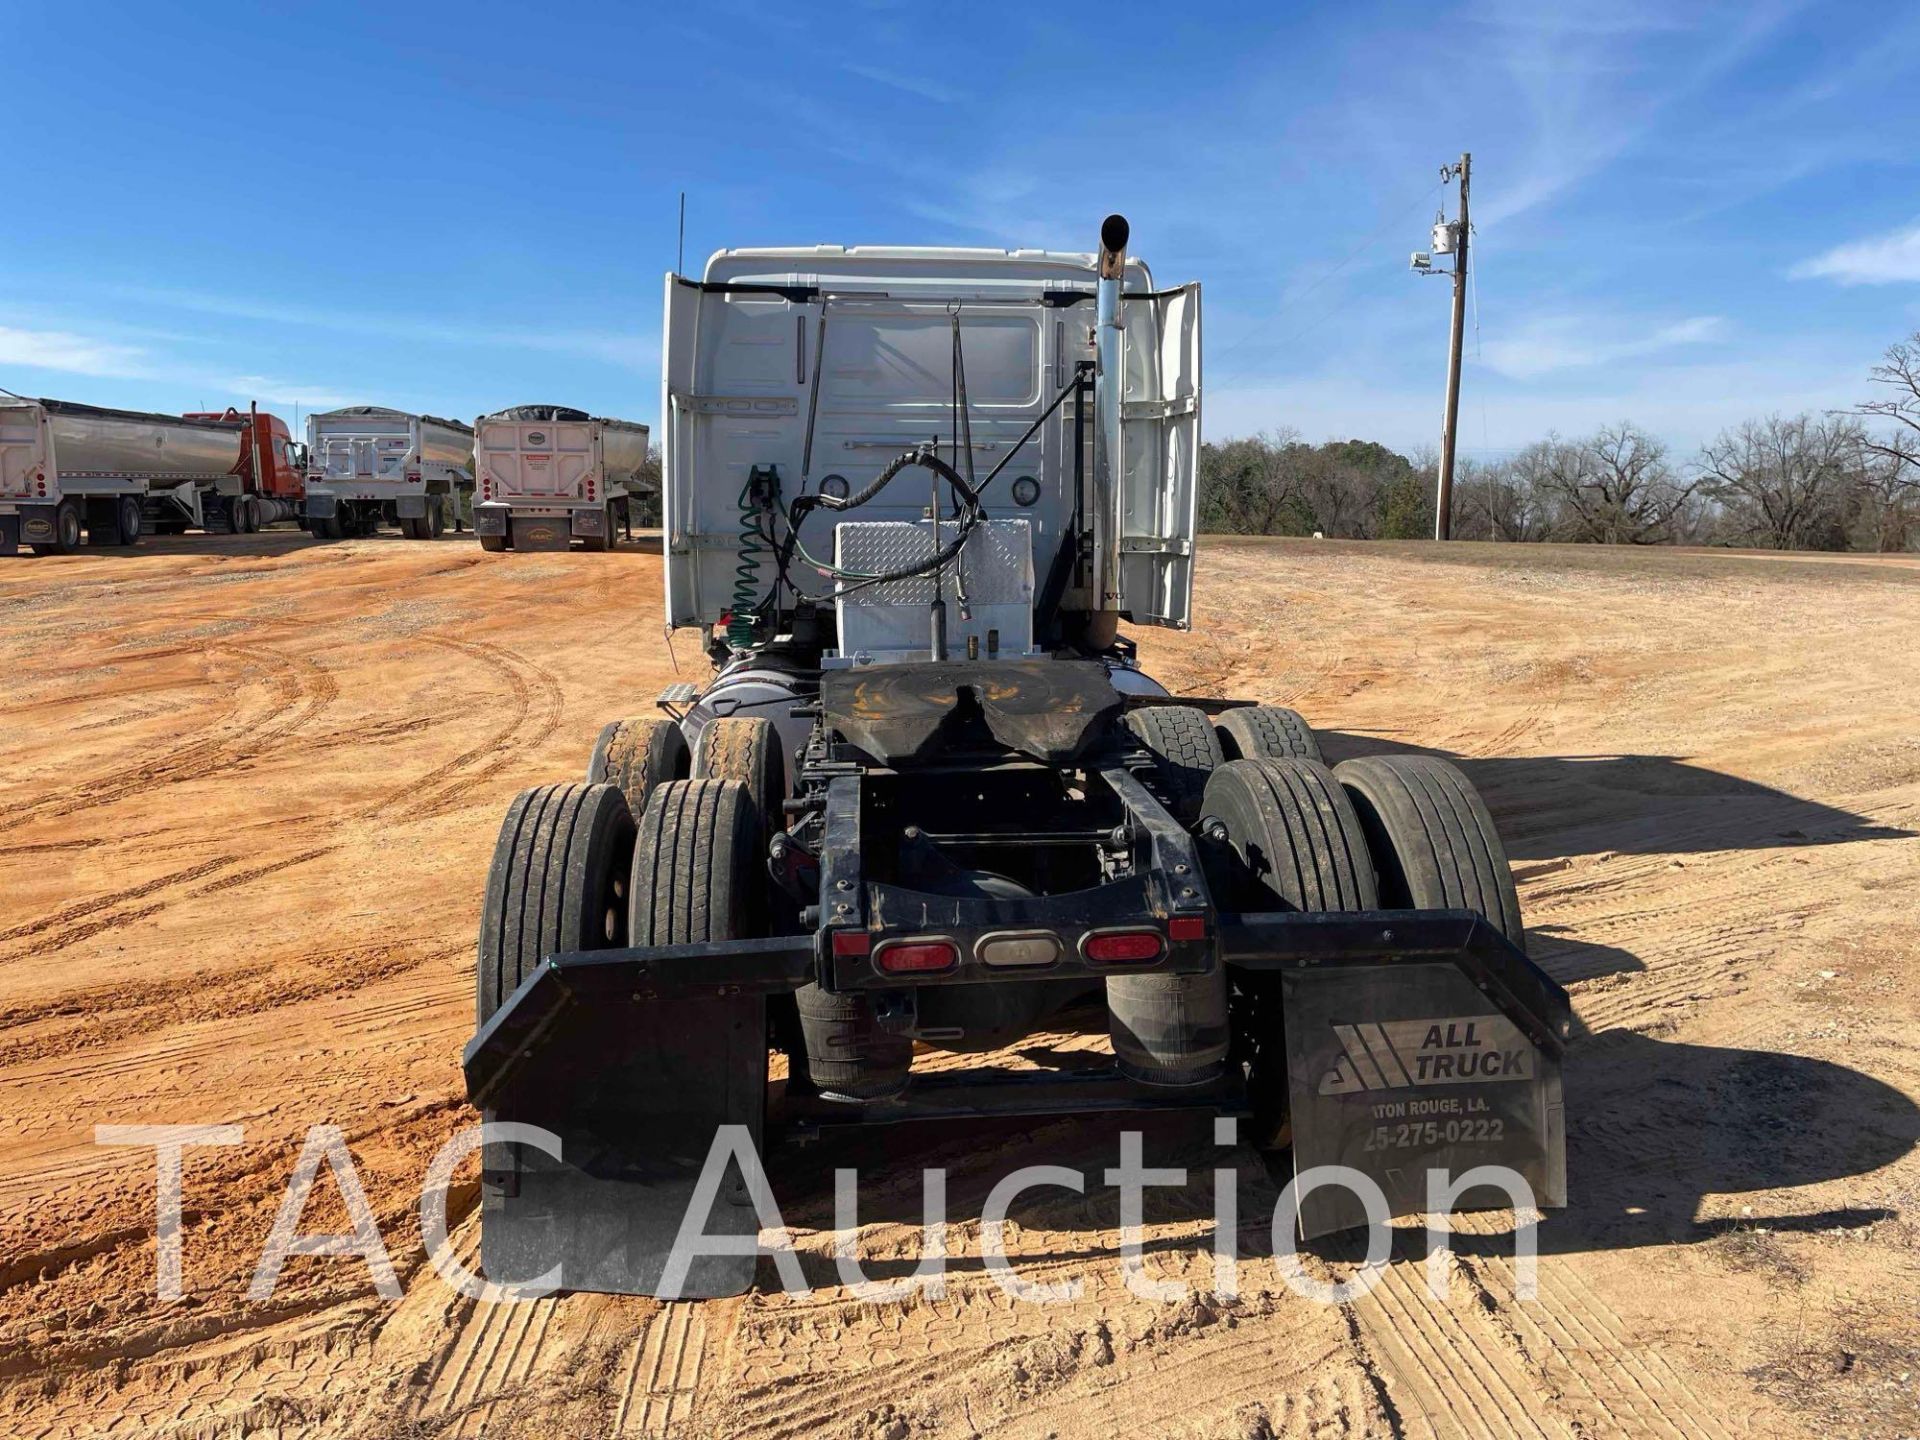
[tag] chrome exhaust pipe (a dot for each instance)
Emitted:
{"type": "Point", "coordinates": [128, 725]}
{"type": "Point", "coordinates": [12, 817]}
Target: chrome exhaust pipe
{"type": "Point", "coordinates": [1109, 380]}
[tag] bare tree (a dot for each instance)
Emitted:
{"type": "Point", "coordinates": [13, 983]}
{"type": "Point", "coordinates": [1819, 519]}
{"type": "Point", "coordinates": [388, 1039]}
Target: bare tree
{"type": "Point", "coordinates": [1615, 488]}
{"type": "Point", "coordinates": [1252, 486]}
{"type": "Point", "coordinates": [1787, 482]}
{"type": "Point", "coordinates": [1892, 486]}
{"type": "Point", "coordinates": [1496, 501]}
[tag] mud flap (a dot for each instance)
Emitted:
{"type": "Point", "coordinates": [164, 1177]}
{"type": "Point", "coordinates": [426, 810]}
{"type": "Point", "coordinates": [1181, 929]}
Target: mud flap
{"type": "Point", "coordinates": [1400, 1067]}
{"type": "Point", "coordinates": [636, 1091]}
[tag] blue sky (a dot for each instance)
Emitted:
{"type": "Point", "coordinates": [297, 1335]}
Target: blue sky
{"type": "Point", "coordinates": [1685, 214]}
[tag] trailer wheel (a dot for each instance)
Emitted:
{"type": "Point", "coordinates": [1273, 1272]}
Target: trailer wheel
{"type": "Point", "coordinates": [246, 515]}
{"type": "Point", "coordinates": [1185, 752]}
{"type": "Point", "coordinates": [638, 755]}
{"type": "Point", "coordinates": [1434, 844]}
{"type": "Point", "coordinates": [1266, 732]}
{"type": "Point", "coordinates": [327, 527]}
{"type": "Point", "coordinates": [698, 871]}
{"type": "Point", "coordinates": [129, 521]}
{"type": "Point", "coordinates": [746, 749]}
{"type": "Point", "coordinates": [435, 525]}
{"type": "Point", "coordinates": [558, 882]}
{"type": "Point", "coordinates": [66, 531]}
{"type": "Point", "coordinates": [493, 544]}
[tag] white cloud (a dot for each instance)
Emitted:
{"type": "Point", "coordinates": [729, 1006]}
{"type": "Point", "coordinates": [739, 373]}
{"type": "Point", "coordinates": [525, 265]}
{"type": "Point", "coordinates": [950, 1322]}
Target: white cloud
{"type": "Point", "coordinates": [1572, 342]}
{"type": "Point", "coordinates": [1877, 260]}
{"type": "Point", "coordinates": [1684, 406]}
{"type": "Point", "coordinates": [636, 351]}
{"type": "Point", "coordinates": [282, 392]}
{"type": "Point", "coordinates": [904, 80]}
{"type": "Point", "coordinates": [61, 350]}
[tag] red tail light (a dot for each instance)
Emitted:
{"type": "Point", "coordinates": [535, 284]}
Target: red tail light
{"type": "Point", "coordinates": [1123, 947]}
{"type": "Point", "coordinates": [916, 957]}
{"type": "Point", "coordinates": [851, 943]}
{"type": "Point", "coordinates": [1187, 927]}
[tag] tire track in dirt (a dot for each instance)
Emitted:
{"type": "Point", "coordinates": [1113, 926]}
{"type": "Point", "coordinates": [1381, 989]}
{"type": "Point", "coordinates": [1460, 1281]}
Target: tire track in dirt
{"type": "Point", "coordinates": [297, 689]}
{"type": "Point", "coordinates": [1627, 1384]}
{"type": "Point", "coordinates": [534, 706]}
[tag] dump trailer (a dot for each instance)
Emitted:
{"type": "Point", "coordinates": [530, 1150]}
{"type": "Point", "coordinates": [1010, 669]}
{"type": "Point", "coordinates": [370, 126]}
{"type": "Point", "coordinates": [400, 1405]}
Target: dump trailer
{"type": "Point", "coordinates": [367, 465]}
{"type": "Point", "coordinates": [547, 475]}
{"type": "Point", "coordinates": [929, 799]}
{"type": "Point", "coordinates": [68, 469]}
{"type": "Point", "coordinates": [265, 484]}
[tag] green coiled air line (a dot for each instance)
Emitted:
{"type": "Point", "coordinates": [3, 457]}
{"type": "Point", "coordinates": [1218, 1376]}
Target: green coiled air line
{"type": "Point", "coordinates": [758, 497]}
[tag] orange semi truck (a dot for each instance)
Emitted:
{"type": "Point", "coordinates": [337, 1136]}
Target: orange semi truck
{"type": "Point", "coordinates": [269, 477]}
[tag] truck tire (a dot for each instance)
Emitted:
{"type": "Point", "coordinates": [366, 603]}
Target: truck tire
{"type": "Point", "coordinates": [638, 755]}
{"type": "Point", "coordinates": [1281, 835]}
{"type": "Point", "coordinates": [1266, 732]}
{"type": "Point", "coordinates": [493, 544]}
{"type": "Point", "coordinates": [66, 530]}
{"type": "Point", "coordinates": [747, 750]}
{"type": "Point", "coordinates": [246, 515]}
{"type": "Point", "coordinates": [1286, 837]}
{"type": "Point", "coordinates": [327, 527]}
{"type": "Point", "coordinates": [129, 517]}
{"type": "Point", "coordinates": [558, 882]}
{"type": "Point", "coordinates": [1434, 845]}
{"type": "Point", "coordinates": [699, 866]}
{"type": "Point", "coordinates": [435, 525]}
{"type": "Point", "coordinates": [1185, 752]}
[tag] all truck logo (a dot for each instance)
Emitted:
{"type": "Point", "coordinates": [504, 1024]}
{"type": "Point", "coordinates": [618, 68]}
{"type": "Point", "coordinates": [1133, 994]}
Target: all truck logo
{"type": "Point", "coordinates": [1402, 1054]}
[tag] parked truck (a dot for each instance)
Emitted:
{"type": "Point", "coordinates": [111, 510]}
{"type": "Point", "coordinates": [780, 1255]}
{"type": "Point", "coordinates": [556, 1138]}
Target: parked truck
{"type": "Point", "coordinates": [68, 470]}
{"type": "Point", "coordinates": [367, 464]}
{"type": "Point", "coordinates": [547, 476]}
{"type": "Point", "coordinates": [929, 800]}
{"type": "Point", "coordinates": [266, 483]}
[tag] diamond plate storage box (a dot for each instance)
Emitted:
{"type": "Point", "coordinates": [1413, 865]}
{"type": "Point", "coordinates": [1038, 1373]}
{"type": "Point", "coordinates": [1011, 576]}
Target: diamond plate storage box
{"type": "Point", "coordinates": [882, 624]}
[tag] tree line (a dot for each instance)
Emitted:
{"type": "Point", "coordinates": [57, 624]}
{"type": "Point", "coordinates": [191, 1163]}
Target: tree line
{"type": "Point", "coordinates": [1845, 480]}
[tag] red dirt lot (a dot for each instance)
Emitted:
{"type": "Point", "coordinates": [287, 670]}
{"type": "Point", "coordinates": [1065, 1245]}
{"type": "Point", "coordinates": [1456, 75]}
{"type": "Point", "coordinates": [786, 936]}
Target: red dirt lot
{"type": "Point", "coordinates": [249, 786]}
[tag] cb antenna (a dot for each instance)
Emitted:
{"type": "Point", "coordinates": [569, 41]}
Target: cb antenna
{"type": "Point", "coordinates": [680, 259]}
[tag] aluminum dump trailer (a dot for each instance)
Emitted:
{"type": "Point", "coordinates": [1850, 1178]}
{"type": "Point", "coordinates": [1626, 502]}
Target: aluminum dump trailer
{"type": "Point", "coordinates": [367, 465]}
{"type": "Point", "coordinates": [928, 800]}
{"type": "Point", "coordinates": [67, 468]}
{"type": "Point", "coordinates": [546, 475]}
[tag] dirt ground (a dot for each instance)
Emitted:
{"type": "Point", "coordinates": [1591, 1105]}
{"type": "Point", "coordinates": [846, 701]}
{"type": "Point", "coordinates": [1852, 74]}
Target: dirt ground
{"type": "Point", "coordinates": [249, 785]}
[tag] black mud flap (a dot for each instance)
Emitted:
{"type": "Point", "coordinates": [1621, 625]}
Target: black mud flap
{"type": "Point", "coordinates": [1397, 1067]}
{"type": "Point", "coordinates": [637, 1092]}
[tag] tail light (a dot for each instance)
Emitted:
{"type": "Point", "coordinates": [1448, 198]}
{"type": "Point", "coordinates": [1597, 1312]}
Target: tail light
{"type": "Point", "coordinates": [1123, 947]}
{"type": "Point", "coordinates": [916, 957]}
{"type": "Point", "coordinates": [413, 477]}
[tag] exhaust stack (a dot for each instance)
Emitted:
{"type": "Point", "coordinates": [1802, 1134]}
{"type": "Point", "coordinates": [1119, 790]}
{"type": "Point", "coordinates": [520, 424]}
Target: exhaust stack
{"type": "Point", "coordinates": [1109, 380]}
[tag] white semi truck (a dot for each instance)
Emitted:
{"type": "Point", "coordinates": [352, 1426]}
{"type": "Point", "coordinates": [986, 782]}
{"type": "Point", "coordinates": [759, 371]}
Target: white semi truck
{"type": "Point", "coordinates": [929, 800]}
{"type": "Point", "coordinates": [367, 464]}
{"type": "Point", "coordinates": [68, 469]}
{"type": "Point", "coordinates": [546, 476]}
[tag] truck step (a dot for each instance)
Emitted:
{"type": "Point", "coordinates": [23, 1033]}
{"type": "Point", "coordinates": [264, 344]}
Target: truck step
{"type": "Point", "coordinates": [683, 692]}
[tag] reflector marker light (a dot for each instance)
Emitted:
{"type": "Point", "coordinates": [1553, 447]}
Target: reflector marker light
{"type": "Point", "coordinates": [851, 943]}
{"type": "Point", "coordinates": [916, 957]}
{"type": "Point", "coordinates": [1115, 947]}
{"type": "Point", "coordinates": [1187, 927]}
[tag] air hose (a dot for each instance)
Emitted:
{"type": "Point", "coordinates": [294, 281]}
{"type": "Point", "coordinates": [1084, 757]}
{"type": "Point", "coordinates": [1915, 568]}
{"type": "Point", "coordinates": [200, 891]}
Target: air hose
{"type": "Point", "coordinates": [758, 497]}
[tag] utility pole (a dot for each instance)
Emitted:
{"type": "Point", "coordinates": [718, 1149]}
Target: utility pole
{"type": "Point", "coordinates": [1443, 501]}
